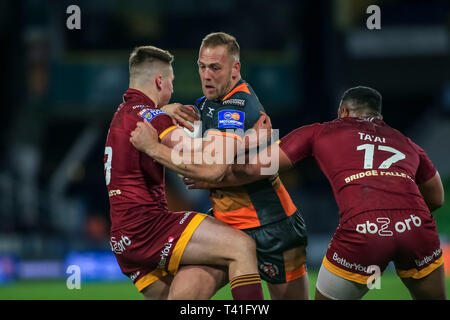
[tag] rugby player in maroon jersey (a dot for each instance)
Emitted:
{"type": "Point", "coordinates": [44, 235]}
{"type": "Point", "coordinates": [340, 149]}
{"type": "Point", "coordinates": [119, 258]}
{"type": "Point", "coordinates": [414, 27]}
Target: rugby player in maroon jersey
{"type": "Point", "coordinates": [154, 246]}
{"type": "Point", "coordinates": [385, 187]}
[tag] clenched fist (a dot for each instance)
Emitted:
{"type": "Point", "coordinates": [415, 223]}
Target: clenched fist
{"type": "Point", "coordinates": [144, 137]}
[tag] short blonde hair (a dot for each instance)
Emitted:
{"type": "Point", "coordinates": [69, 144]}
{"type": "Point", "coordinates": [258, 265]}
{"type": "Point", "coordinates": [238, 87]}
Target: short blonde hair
{"type": "Point", "coordinates": [216, 39]}
{"type": "Point", "coordinates": [148, 55]}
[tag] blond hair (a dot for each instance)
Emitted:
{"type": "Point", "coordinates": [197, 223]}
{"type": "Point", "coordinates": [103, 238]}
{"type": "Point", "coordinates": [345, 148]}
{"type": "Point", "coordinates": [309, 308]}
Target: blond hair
{"type": "Point", "coordinates": [216, 39]}
{"type": "Point", "coordinates": [149, 57]}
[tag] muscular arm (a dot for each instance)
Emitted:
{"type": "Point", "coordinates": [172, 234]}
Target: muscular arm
{"type": "Point", "coordinates": [253, 170]}
{"type": "Point", "coordinates": [262, 165]}
{"type": "Point", "coordinates": [177, 152]}
{"type": "Point", "coordinates": [203, 159]}
{"type": "Point", "coordinates": [294, 146]}
{"type": "Point", "coordinates": [433, 192]}
{"type": "Point", "coordinates": [181, 114]}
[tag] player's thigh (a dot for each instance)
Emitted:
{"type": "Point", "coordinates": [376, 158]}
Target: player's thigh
{"type": "Point", "coordinates": [285, 273]}
{"type": "Point", "coordinates": [197, 282]}
{"type": "Point", "coordinates": [430, 287]}
{"type": "Point", "coordinates": [297, 289]}
{"type": "Point", "coordinates": [215, 242]}
{"type": "Point", "coordinates": [330, 286]}
{"type": "Point", "coordinates": [158, 290]}
{"type": "Point", "coordinates": [419, 261]}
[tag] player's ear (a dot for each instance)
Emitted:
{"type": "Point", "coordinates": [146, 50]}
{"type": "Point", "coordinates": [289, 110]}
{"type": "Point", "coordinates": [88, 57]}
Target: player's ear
{"type": "Point", "coordinates": [343, 111]}
{"type": "Point", "coordinates": [158, 81]}
{"type": "Point", "coordinates": [236, 69]}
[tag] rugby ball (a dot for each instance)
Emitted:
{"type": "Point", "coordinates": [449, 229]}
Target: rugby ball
{"type": "Point", "coordinates": [197, 125]}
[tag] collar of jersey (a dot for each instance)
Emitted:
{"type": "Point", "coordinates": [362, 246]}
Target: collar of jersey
{"type": "Point", "coordinates": [135, 94]}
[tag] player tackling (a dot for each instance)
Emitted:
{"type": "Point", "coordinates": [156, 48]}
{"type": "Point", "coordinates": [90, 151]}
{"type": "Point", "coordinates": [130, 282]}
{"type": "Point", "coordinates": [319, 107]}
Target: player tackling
{"type": "Point", "coordinates": [154, 246]}
{"type": "Point", "coordinates": [264, 209]}
{"type": "Point", "coordinates": [385, 187]}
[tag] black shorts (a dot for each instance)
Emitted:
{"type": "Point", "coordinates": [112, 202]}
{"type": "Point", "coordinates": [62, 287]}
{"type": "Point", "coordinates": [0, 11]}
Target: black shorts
{"type": "Point", "coordinates": [280, 249]}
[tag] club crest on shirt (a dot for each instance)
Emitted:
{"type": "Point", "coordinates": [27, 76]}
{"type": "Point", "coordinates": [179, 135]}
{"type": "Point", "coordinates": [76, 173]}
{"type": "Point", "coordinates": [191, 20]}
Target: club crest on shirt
{"type": "Point", "coordinates": [231, 119]}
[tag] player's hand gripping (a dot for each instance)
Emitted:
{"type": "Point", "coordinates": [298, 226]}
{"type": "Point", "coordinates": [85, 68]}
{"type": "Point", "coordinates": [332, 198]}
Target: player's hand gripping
{"type": "Point", "coordinates": [263, 132]}
{"type": "Point", "coordinates": [263, 122]}
{"type": "Point", "coordinates": [181, 114]}
{"type": "Point", "coordinates": [144, 137]}
{"type": "Point", "coordinates": [195, 184]}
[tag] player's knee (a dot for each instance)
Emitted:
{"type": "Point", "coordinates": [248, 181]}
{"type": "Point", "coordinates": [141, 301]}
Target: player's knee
{"type": "Point", "coordinates": [245, 245]}
{"type": "Point", "coordinates": [155, 292]}
{"type": "Point", "coordinates": [184, 293]}
{"type": "Point", "coordinates": [199, 283]}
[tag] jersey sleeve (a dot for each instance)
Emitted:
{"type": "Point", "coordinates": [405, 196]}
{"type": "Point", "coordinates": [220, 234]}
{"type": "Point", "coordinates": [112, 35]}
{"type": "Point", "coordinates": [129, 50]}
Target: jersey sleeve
{"type": "Point", "coordinates": [298, 144]}
{"type": "Point", "coordinates": [426, 170]}
{"type": "Point", "coordinates": [160, 120]}
{"type": "Point", "coordinates": [249, 103]}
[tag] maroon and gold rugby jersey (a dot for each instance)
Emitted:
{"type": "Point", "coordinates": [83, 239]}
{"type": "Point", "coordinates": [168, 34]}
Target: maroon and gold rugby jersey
{"type": "Point", "coordinates": [369, 165]}
{"type": "Point", "coordinates": [135, 182]}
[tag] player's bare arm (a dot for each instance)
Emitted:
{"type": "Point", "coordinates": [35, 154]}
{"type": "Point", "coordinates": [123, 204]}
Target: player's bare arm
{"type": "Point", "coordinates": [241, 174]}
{"type": "Point", "coordinates": [237, 174]}
{"type": "Point", "coordinates": [145, 139]}
{"type": "Point", "coordinates": [433, 192]}
{"type": "Point", "coordinates": [261, 133]}
{"type": "Point", "coordinates": [182, 114]}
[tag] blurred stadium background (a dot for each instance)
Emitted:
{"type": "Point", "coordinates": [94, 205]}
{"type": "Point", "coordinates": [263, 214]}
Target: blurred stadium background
{"type": "Point", "coordinates": [62, 87]}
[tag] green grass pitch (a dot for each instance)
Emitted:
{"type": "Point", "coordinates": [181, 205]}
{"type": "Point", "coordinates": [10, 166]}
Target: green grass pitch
{"type": "Point", "coordinates": [391, 289]}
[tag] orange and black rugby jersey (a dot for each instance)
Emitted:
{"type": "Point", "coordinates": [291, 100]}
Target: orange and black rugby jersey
{"type": "Point", "coordinates": [254, 204]}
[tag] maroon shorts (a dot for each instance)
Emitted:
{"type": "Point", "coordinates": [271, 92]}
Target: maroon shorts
{"type": "Point", "coordinates": [369, 241]}
{"type": "Point", "coordinates": [152, 249]}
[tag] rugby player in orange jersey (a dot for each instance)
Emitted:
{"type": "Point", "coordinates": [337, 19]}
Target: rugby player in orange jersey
{"type": "Point", "coordinates": [153, 245]}
{"type": "Point", "coordinates": [386, 188]}
{"type": "Point", "coordinates": [263, 209]}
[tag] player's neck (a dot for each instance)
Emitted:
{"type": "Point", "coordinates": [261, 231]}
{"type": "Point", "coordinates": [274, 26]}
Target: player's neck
{"type": "Point", "coordinates": [233, 84]}
{"type": "Point", "coordinates": [149, 93]}
{"type": "Point", "coordinates": [358, 115]}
